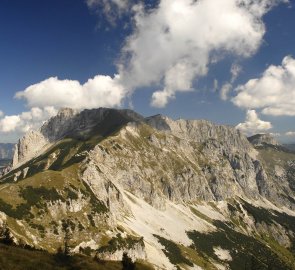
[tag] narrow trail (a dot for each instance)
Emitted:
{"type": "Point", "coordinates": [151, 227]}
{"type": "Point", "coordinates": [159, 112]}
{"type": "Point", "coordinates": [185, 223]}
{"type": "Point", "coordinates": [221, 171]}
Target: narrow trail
{"type": "Point", "coordinates": [3, 187]}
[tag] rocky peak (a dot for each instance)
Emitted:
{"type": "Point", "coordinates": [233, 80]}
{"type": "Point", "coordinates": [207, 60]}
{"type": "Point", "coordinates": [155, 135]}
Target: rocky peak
{"type": "Point", "coordinates": [70, 123]}
{"type": "Point", "coordinates": [263, 139]}
{"type": "Point", "coordinates": [200, 131]}
{"type": "Point", "coordinates": [159, 122]}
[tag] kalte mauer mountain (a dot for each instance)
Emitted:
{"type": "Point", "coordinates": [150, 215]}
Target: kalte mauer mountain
{"type": "Point", "coordinates": [184, 194]}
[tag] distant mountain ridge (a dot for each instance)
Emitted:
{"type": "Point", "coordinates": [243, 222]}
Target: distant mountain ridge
{"type": "Point", "coordinates": [6, 150]}
{"type": "Point", "coordinates": [263, 139]}
{"type": "Point", "coordinates": [290, 146]}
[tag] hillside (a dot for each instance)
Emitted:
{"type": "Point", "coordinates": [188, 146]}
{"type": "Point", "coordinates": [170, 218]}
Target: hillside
{"type": "Point", "coordinates": [17, 258]}
{"type": "Point", "coordinates": [185, 194]}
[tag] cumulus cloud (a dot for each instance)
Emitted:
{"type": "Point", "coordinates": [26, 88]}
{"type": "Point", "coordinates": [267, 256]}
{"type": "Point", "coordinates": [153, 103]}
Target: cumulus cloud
{"type": "Point", "coordinates": [253, 124]}
{"type": "Point", "coordinates": [25, 121]}
{"type": "Point", "coordinates": [235, 71]}
{"type": "Point", "coordinates": [215, 85]}
{"type": "Point", "coordinates": [273, 92]}
{"type": "Point", "coordinates": [290, 133]}
{"type": "Point", "coordinates": [276, 134]}
{"type": "Point", "coordinates": [225, 89]}
{"type": "Point", "coordinates": [1, 113]}
{"type": "Point", "coordinates": [179, 77]}
{"type": "Point", "coordinates": [101, 91]}
{"type": "Point", "coordinates": [112, 9]}
{"type": "Point", "coordinates": [46, 97]}
{"type": "Point", "coordinates": [171, 45]}
{"type": "Point", "coordinates": [182, 37]}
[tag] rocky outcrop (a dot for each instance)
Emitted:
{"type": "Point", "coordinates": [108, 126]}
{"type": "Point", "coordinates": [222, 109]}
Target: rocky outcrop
{"type": "Point", "coordinates": [201, 131]}
{"type": "Point", "coordinates": [158, 158]}
{"type": "Point", "coordinates": [263, 139]}
{"type": "Point", "coordinates": [117, 246]}
{"type": "Point", "coordinates": [70, 123]}
{"type": "Point", "coordinates": [166, 166]}
{"type": "Point", "coordinates": [149, 187]}
{"type": "Point", "coordinates": [28, 146]}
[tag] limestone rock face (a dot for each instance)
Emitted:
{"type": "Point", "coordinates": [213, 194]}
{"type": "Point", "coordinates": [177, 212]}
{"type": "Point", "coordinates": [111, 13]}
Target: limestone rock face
{"type": "Point", "coordinates": [70, 123]}
{"type": "Point", "coordinates": [262, 139]}
{"type": "Point", "coordinates": [159, 158]}
{"type": "Point", "coordinates": [134, 251]}
{"type": "Point", "coordinates": [149, 187]}
{"type": "Point", "coordinates": [28, 146]}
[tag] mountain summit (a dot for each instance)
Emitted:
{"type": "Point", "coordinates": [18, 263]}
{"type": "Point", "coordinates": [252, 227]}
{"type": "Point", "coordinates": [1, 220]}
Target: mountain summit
{"type": "Point", "coordinates": [263, 139]}
{"type": "Point", "coordinates": [184, 194]}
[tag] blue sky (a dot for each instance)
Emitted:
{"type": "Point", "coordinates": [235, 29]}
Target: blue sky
{"type": "Point", "coordinates": [79, 40]}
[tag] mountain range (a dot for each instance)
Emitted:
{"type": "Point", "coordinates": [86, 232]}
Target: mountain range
{"type": "Point", "coordinates": [6, 154]}
{"type": "Point", "coordinates": [172, 194]}
{"type": "Point", "coordinates": [6, 150]}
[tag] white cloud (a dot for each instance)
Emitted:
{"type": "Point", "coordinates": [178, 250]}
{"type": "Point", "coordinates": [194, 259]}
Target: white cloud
{"type": "Point", "coordinates": [253, 124]}
{"type": "Point", "coordinates": [188, 35]}
{"type": "Point", "coordinates": [9, 123]}
{"type": "Point", "coordinates": [171, 45]}
{"type": "Point", "coordinates": [276, 134]}
{"type": "Point", "coordinates": [179, 77]}
{"type": "Point", "coordinates": [25, 121]}
{"type": "Point", "coordinates": [225, 89]}
{"type": "Point", "coordinates": [235, 71]}
{"type": "Point", "coordinates": [1, 113]}
{"type": "Point", "coordinates": [112, 9]}
{"type": "Point", "coordinates": [108, 4]}
{"type": "Point", "coordinates": [101, 91]}
{"type": "Point", "coordinates": [215, 85]}
{"type": "Point", "coordinates": [46, 97]}
{"type": "Point", "coordinates": [273, 92]}
{"type": "Point", "coordinates": [290, 133]}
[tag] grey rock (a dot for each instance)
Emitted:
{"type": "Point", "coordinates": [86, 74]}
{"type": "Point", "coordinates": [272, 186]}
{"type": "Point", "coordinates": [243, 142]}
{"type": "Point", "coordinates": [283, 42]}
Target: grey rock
{"type": "Point", "coordinates": [262, 139]}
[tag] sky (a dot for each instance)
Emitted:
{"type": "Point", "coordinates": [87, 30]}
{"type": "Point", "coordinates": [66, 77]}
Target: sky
{"type": "Point", "coordinates": [231, 62]}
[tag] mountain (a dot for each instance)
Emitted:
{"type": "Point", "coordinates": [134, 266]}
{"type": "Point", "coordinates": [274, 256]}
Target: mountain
{"type": "Point", "coordinates": [263, 139]}
{"type": "Point", "coordinates": [6, 154]}
{"type": "Point", "coordinates": [184, 194]}
{"type": "Point", "coordinates": [290, 146]}
{"type": "Point", "coordinates": [6, 150]}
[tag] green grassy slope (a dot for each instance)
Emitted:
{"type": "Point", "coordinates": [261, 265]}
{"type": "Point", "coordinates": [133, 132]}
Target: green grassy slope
{"type": "Point", "coordinates": [16, 258]}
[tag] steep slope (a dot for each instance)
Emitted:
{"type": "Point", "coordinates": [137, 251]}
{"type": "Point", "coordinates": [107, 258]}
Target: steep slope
{"type": "Point", "coordinates": [263, 139]}
{"type": "Point", "coordinates": [179, 194]}
{"type": "Point", "coordinates": [73, 124]}
{"type": "Point", "coordinates": [17, 258]}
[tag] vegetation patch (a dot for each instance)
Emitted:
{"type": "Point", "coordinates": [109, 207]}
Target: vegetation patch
{"type": "Point", "coordinates": [270, 216]}
{"type": "Point", "coordinates": [17, 258]}
{"type": "Point", "coordinates": [119, 243]}
{"type": "Point", "coordinates": [200, 215]}
{"type": "Point", "coordinates": [173, 252]}
{"type": "Point", "coordinates": [98, 206]}
{"type": "Point", "coordinates": [34, 197]}
{"type": "Point", "coordinates": [246, 252]}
